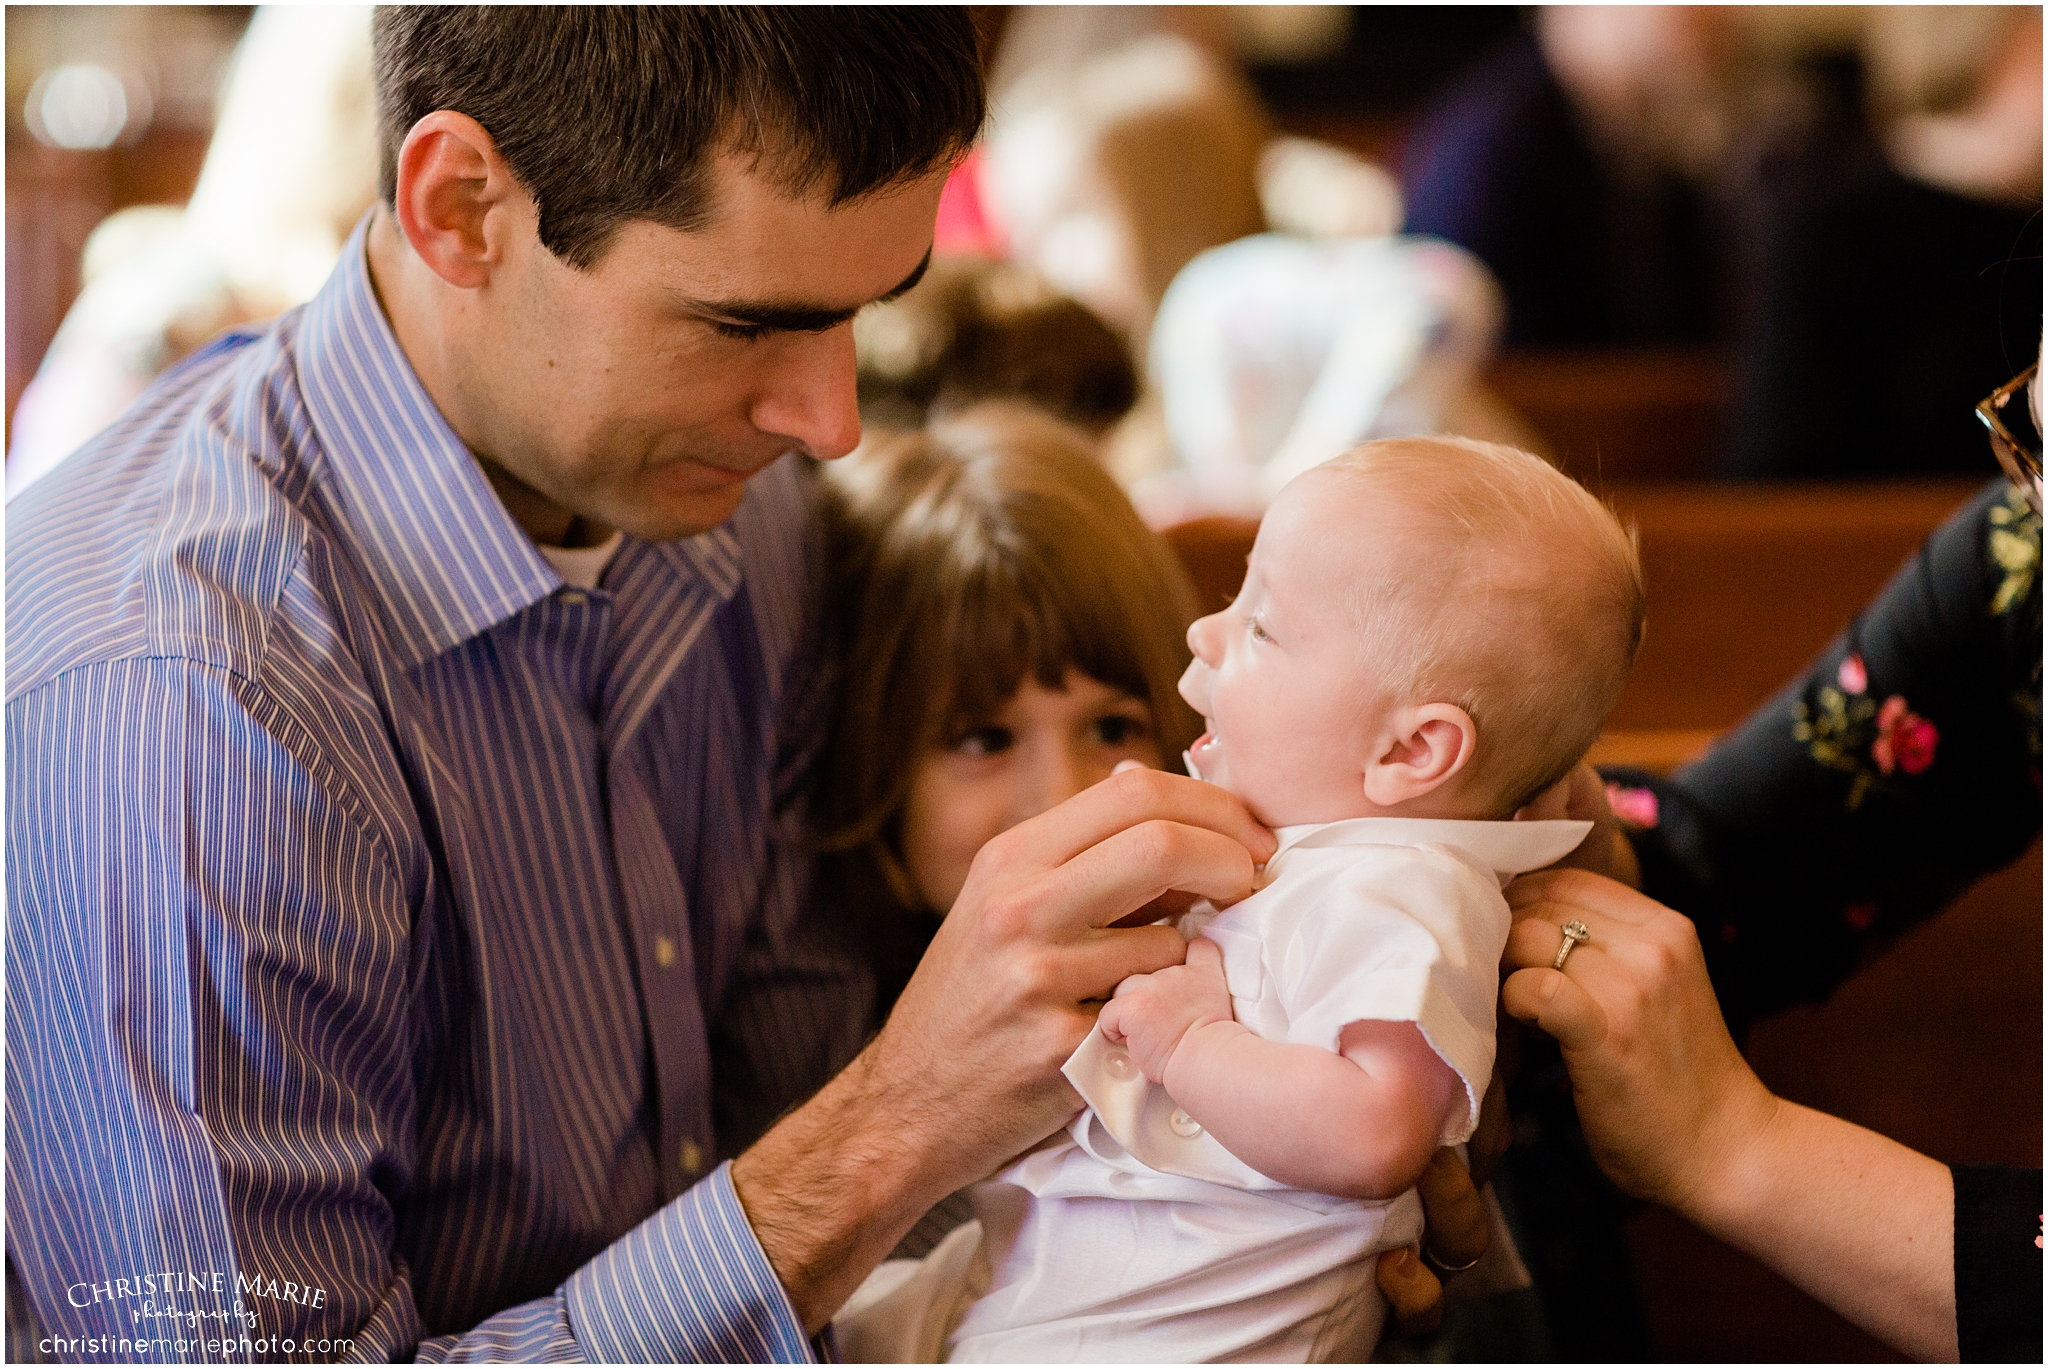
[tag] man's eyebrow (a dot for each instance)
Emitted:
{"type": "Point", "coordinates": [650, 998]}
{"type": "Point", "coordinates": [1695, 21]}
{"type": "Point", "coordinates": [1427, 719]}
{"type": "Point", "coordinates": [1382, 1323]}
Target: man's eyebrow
{"type": "Point", "coordinates": [799, 318]}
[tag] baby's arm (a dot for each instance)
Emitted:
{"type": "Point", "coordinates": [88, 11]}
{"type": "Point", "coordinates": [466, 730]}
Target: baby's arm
{"type": "Point", "coordinates": [1358, 1122]}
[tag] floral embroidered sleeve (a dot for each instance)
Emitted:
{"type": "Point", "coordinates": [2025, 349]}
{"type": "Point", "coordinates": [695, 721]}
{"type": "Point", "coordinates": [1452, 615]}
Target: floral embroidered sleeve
{"type": "Point", "coordinates": [1903, 766]}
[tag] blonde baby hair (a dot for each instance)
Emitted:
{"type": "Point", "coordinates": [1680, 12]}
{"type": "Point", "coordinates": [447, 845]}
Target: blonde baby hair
{"type": "Point", "coordinates": [1527, 614]}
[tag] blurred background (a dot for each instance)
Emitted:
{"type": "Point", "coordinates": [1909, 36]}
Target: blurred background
{"type": "Point", "coordinates": [1744, 271]}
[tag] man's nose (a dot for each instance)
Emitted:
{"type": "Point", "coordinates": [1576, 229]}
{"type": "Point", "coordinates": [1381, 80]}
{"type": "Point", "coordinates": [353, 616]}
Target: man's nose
{"type": "Point", "coordinates": [813, 402]}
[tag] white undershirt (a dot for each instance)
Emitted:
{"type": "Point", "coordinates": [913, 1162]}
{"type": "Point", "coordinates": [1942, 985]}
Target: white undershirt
{"type": "Point", "coordinates": [583, 567]}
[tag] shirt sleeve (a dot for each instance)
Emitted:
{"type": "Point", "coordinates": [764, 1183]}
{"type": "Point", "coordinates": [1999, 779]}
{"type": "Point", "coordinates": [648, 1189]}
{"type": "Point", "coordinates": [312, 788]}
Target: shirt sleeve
{"type": "Point", "coordinates": [1408, 937]}
{"type": "Point", "coordinates": [802, 1000]}
{"type": "Point", "coordinates": [214, 1026]}
{"type": "Point", "coordinates": [1903, 765]}
{"type": "Point", "coordinates": [1998, 1264]}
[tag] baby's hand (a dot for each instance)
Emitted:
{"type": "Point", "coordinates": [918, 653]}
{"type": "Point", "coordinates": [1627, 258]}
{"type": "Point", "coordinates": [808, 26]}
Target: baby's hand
{"type": "Point", "coordinates": [1152, 1012]}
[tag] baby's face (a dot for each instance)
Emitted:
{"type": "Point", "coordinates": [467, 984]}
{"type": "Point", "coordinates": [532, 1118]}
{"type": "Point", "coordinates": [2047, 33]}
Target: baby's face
{"type": "Point", "coordinates": [1293, 708]}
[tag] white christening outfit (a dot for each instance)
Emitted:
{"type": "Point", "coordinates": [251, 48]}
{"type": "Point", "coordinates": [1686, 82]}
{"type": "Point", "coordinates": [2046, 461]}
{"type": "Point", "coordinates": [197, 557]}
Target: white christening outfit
{"type": "Point", "coordinates": [1133, 1235]}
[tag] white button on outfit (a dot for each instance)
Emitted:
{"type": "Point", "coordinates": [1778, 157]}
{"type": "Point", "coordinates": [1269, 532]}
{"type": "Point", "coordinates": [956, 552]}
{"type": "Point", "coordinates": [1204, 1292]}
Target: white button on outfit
{"type": "Point", "coordinates": [1135, 1235]}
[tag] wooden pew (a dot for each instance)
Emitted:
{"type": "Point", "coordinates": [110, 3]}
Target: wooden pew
{"type": "Point", "coordinates": [1641, 414]}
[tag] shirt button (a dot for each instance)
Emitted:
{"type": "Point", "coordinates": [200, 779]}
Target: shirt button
{"type": "Point", "coordinates": [574, 596]}
{"type": "Point", "coordinates": [691, 1157]}
{"type": "Point", "coordinates": [664, 951]}
{"type": "Point", "coordinates": [1184, 1125]}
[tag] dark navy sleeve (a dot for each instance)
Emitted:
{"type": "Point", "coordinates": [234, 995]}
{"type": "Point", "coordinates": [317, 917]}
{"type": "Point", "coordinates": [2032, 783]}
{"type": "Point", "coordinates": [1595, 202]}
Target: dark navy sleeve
{"type": "Point", "coordinates": [1998, 1264]}
{"type": "Point", "coordinates": [1901, 767]}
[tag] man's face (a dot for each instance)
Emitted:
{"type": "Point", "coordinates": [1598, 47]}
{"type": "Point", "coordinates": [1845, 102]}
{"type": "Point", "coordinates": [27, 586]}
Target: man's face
{"type": "Point", "coordinates": [643, 392]}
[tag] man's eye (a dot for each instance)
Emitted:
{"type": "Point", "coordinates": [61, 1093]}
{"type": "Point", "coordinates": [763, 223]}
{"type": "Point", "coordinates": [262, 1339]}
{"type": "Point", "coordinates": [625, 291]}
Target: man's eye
{"type": "Point", "coordinates": [741, 332]}
{"type": "Point", "coordinates": [984, 741]}
{"type": "Point", "coordinates": [1118, 729]}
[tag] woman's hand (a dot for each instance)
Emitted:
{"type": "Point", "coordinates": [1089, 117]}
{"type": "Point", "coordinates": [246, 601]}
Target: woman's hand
{"type": "Point", "coordinates": [1674, 1114]}
{"type": "Point", "coordinates": [1582, 796]}
{"type": "Point", "coordinates": [1668, 1104]}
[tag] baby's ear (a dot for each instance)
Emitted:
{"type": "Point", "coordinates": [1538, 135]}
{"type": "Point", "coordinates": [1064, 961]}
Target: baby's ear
{"type": "Point", "coordinates": [1430, 744]}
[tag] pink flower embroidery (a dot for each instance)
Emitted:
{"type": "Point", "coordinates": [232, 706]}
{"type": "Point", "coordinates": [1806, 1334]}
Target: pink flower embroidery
{"type": "Point", "coordinates": [1905, 740]}
{"type": "Point", "coordinates": [1852, 677]}
{"type": "Point", "coordinates": [1635, 807]}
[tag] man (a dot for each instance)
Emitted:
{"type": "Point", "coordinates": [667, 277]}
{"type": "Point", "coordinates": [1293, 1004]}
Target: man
{"type": "Point", "coordinates": [403, 707]}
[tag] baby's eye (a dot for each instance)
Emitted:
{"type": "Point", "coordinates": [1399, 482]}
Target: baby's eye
{"type": "Point", "coordinates": [1120, 729]}
{"type": "Point", "coordinates": [1258, 631]}
{"type": "Point", "coordinates": [984, 741]}
{"type": "Point", "coordinates": [741, 332]}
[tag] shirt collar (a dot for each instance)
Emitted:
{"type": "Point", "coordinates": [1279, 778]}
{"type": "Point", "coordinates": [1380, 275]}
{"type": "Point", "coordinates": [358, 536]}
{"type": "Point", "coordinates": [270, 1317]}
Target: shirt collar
{"type": "Point", "coordinates": [1507, 848]}
{"type": "Point", "coordinates": [441, 553]}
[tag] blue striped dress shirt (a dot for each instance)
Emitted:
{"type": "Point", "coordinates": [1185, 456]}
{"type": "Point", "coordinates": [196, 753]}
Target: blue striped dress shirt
{"type": "Point", "coordinates": [397, 938]}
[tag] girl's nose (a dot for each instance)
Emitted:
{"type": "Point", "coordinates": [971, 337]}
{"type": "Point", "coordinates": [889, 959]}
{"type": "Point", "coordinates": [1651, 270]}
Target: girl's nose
{"type": "Point", "coordinates": [1061, 773]}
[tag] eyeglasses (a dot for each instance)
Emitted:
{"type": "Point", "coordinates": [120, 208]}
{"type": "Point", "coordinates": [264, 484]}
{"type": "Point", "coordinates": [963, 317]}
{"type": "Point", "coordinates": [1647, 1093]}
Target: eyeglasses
{"type": "Point", "coordinates": [2018, 456]}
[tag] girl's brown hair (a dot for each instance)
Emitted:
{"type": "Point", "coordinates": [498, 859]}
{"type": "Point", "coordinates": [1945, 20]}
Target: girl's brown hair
{"type": "Point", "coordinates": [982, 550]}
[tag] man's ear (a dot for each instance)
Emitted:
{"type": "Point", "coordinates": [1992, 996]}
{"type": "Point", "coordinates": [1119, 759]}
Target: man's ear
{"type": "Point", "coordinates": [455, 197]}
{"type": "Point", "coordinates": [1428, 744]}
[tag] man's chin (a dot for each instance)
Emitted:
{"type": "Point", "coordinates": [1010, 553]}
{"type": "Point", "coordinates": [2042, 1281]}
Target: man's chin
{"type": "Point", "coordinates": [674, 516]}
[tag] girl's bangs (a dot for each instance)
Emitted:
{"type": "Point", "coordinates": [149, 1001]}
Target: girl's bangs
{"type": "Point", "coordinates": [1010, 624]}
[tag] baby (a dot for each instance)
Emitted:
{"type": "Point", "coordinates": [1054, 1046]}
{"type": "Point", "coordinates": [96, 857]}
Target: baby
{"type": "Point", "coordinates": [1430, 633]}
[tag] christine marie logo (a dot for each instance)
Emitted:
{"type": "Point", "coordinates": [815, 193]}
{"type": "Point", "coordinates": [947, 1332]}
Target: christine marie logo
{"type": "Point", "coordinates": [171, 1285]}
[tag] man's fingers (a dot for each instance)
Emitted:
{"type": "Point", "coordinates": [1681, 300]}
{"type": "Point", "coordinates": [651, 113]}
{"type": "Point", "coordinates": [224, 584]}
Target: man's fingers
{"type": "Point", "coordinates": [1559, 1007]}
{"type": "Point", "coordinates": [1103, 959]}
{"type": "Point", "coordinates": [1414, 1297]}
{"type": "Point", "coordinates": [1451, 1207]}
{"type": "Point", "coordinates": [1130, 868]}
{"type": "Point", "coordinates": [1169, 906]}
{"type": "Point", "coordinates": [1122, 801]}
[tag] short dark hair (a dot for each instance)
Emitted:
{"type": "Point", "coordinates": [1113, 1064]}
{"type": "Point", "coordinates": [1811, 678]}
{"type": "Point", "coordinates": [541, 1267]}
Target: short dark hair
{"type": "Point", "coordinates": [608, 113]}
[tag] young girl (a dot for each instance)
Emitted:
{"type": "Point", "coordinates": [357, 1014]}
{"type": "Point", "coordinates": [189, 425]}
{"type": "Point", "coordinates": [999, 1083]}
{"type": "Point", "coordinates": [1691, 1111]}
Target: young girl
{"type": "Point", "coordinates": [1009, 632]}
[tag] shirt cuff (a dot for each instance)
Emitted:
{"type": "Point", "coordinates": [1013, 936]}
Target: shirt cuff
{"type": "Point", "coordinates": [689, 1284]}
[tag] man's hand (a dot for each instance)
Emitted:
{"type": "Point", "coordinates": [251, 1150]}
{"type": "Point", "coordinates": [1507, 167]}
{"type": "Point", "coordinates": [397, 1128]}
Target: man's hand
{"type": "Point", "coordinates": [1151, 1013]}
{"type": "Point", "coordinates": [965, 1073]}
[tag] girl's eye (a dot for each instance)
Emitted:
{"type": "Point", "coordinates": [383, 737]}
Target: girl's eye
{"type": "Point", "coordinates": [984, 741]}
{"type": "Point", "coordinates": [741, 332]}
{"type": "Point", "coordinates": [1120, 729]}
